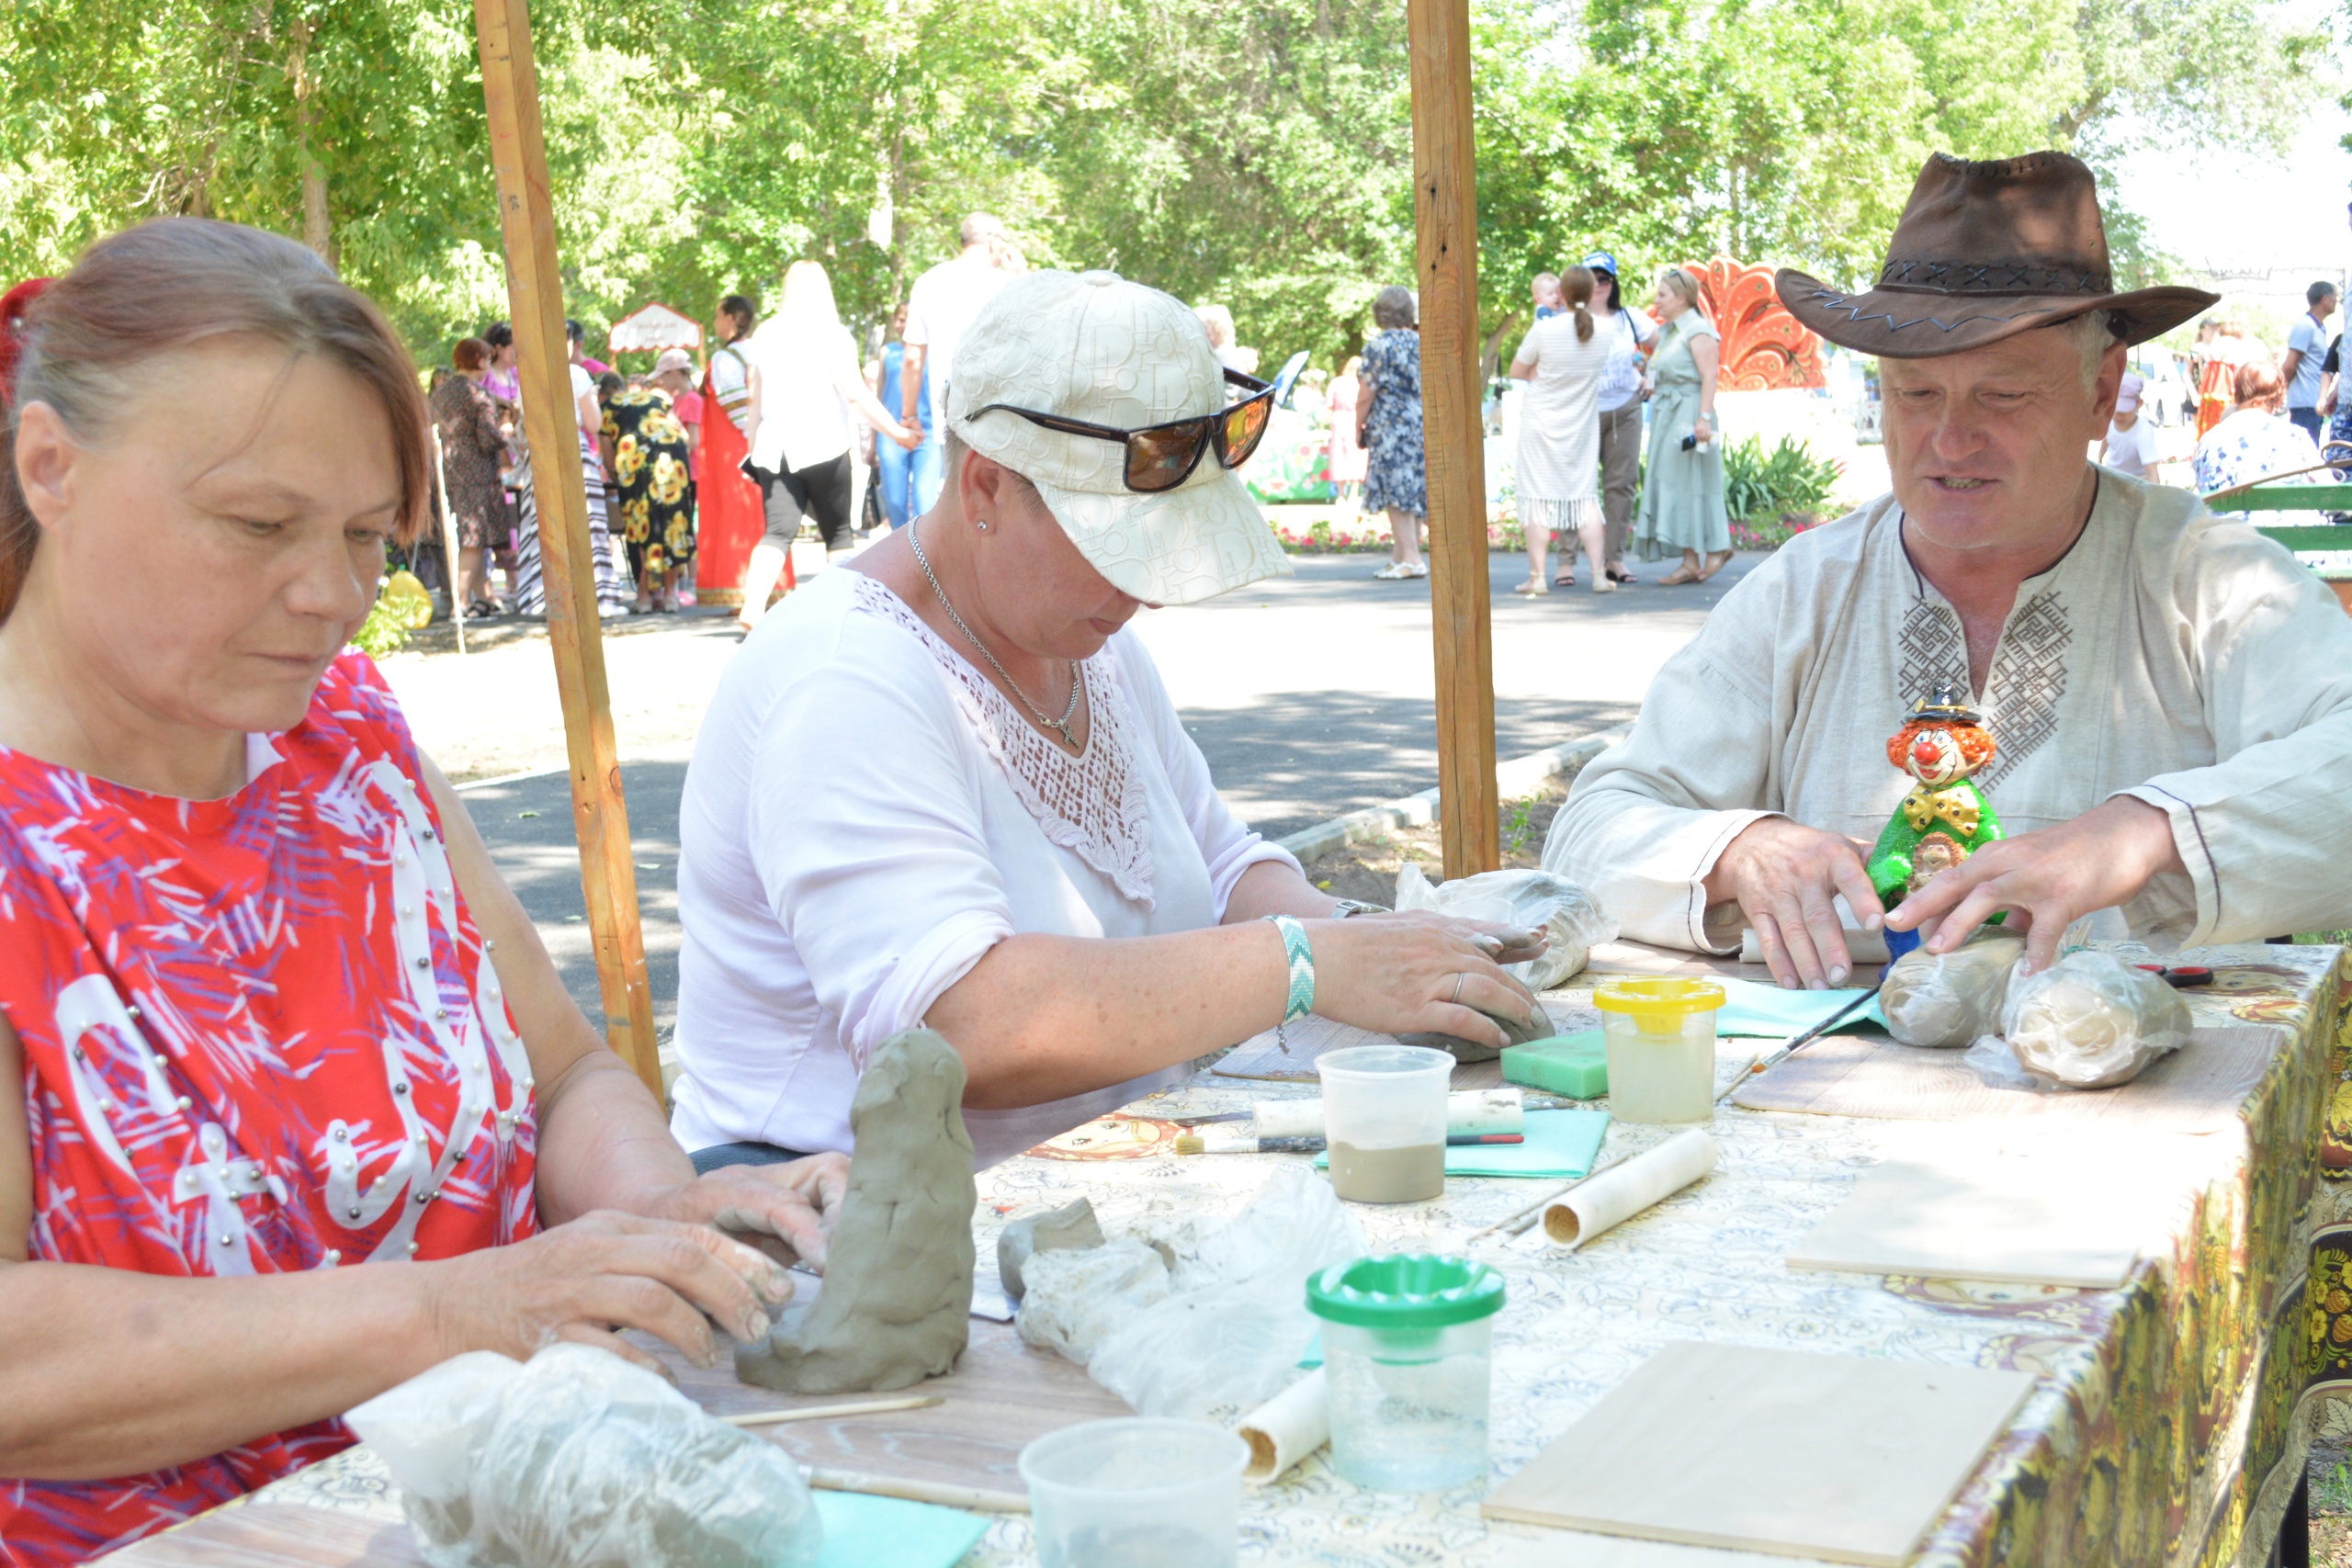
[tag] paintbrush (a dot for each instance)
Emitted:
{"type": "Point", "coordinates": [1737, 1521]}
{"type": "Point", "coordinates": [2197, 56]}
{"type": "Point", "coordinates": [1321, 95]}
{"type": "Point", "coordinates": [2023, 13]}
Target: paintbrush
{"type": "Point", "coordinates": [1765, 1064]}
{"type": "Point", "coordinates": [1198, 1144]}
{"type": "Point", "coordinates": [1520, 1219]}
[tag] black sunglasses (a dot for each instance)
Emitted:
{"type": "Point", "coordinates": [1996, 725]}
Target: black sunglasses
{"type": "Point", "coordinates": [1161, 457]}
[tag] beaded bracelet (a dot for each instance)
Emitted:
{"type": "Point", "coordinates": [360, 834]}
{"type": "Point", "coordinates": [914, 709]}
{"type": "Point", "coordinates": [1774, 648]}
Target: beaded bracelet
{"type": "Point", "coordinates": [1302, 967]}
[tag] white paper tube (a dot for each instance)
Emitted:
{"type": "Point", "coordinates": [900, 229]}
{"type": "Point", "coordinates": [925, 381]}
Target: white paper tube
{"type": "Point", "coordinates": [1618, 1195]}
{"type": "Point", "coordinates": [1470, 1111]}
{"type": "Point", "coordinates": [1287, 1427]}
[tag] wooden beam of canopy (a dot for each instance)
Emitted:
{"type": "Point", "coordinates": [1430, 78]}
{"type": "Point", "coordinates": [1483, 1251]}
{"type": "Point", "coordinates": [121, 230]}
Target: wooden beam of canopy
{"type": "Point", "coordinates": [1445, 212]}
{"type": "Point", "coordinates": [535, 291]}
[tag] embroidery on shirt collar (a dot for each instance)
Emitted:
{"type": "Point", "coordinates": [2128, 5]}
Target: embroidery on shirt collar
{"type": "Point", "coordinates": [1093, 803]}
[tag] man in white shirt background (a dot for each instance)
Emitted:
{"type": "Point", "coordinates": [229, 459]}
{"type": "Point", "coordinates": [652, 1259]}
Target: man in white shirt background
{"type": "Point", "coordinates": [942, 304]}
{"type": "Point", "coordinates": [2306, 348]}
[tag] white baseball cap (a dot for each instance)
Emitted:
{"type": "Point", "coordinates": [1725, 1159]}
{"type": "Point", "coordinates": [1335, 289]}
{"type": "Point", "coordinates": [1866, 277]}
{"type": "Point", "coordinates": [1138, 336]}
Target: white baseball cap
{"type": "Point", "coordinates": [1095, 347]}
{"type": "Point", "coordinates": [2127, 397]}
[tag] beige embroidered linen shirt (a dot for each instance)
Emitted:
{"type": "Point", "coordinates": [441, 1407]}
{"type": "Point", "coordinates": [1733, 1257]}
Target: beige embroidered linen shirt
{"type": "Point", "coordinates": [2171, 655]}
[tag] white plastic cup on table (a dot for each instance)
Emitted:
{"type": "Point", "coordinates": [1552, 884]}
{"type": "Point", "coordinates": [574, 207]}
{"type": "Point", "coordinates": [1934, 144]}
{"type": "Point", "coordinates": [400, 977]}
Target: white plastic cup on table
{"type": "Point", "coordinates": [1383, 1122]}
{"type": "Point", "coordinates": [1409, 1364]}
{"type": "Point", "coordinates": [1661, 1036]}
{"type": "Point", "coordinates": [1140, 1492]}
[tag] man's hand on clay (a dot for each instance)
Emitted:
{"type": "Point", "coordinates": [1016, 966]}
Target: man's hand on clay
{"type": "Point", "coordinates": [786, 1210]}
{"type": "Point", "coordinates": [2046, 879]}
{"type": "Point", "coordinates": [588, 1280]}
{"type": "Point", "coordinates": [1784, 875]}
{"type": "Point", "coordinates": [1415, 970]}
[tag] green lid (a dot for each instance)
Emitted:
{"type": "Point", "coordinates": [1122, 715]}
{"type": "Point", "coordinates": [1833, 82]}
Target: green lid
{"type": "Point", "coordinates": [1405, 1289]}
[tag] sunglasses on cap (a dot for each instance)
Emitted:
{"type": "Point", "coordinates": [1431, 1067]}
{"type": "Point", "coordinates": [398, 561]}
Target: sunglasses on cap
{"type": "Point", "coordinates": [1161, 457]}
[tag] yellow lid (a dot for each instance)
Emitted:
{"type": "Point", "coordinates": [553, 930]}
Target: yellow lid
{"type": "Point", "coordinates": [1657, 998]}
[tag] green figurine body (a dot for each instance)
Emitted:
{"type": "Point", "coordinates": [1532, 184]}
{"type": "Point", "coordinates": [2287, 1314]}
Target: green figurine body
{"type": "Point", "coordinates": [1946, 817]}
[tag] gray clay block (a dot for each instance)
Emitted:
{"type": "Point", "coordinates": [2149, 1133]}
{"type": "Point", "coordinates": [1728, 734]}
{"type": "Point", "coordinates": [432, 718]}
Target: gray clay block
{"type": "Point", "coordinates": [1070, 1228]}
{"type": "Point", "coordinates": [897, 1302]}
{"type": "Point", "coordinates": [1520, 1031]}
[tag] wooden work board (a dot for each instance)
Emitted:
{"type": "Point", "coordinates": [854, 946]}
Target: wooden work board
{"type": "Point", "coordinates": [1001, 1395]}
{"type": "Point", "coordinates": [2197, 1088]}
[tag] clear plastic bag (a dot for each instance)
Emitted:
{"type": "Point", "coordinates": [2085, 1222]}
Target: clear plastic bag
{"type": "Point", "coordinates": [1536, 900]}
{"type": "Point", "coordinates": [1234, 1321]}
{"type": "Point", "coordinates": [577, 1459]}
{"type": "Point", "coordinates": [2091, 1020]}
{"type": "Point", "coordinates": [1949, 1000]}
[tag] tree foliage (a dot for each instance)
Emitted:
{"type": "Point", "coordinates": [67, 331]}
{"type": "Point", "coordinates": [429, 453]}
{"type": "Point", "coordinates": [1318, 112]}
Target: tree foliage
{"type": "Point", "coordinates": [1257, 154]}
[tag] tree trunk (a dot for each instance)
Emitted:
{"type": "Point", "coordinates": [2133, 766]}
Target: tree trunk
{"type": "Point", "coordinates": [1491, 356]}
{"type": "Point", "coordinates": [318, 233]}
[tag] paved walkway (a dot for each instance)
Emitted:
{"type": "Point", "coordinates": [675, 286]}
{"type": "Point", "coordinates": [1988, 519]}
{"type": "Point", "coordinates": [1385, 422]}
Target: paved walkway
{"type": "Point", "coordinates": [1310, 696]}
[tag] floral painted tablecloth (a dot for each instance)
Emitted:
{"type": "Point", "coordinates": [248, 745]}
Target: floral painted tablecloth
{"type": "Point", "coordinates": [2172, 1418]}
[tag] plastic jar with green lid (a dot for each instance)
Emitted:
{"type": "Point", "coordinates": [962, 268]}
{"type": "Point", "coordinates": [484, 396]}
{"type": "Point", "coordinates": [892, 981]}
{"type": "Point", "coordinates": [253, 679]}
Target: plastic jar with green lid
{"type": "Point", "coordinates": [1660, 1035]}
{"type": "Point", "coordinates": [1407, 1358]}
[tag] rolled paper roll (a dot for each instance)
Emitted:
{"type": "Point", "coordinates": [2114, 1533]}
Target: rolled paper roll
{"type": "Point", "coordinates": [1466, 1111]}
{"type": "Point", "coordinates": [1287, 1427]}
{"type": "Point", "coordinates": [1618, 1195]}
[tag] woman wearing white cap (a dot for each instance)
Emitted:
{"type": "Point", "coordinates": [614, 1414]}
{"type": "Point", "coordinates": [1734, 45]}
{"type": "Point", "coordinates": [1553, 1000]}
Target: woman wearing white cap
{"type": "Point", "coordinates": [2131, 444]}
{"type": "Point", "coordinates": [946, 785]}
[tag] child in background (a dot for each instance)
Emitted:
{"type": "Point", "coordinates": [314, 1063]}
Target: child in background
{"type": "Point", "coordinates": [2131, 444]}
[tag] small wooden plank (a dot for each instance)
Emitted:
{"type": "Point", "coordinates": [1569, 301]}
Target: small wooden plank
{"type": "Point", "coordinates": [1445, 212]}
{"type": "Point", "coordinates": [1002, 1395]}
{"type": "Point", "coordinates": [1847, 1457]}
{"type": "Point", "coordinates": [2069, 1216]}
{"type": "Point", "coordinates": [2197, 1088]}
{"type": "Point", "coordinates": [535, 294]}
{"type": "Point", "coordinates": [276, 1535]}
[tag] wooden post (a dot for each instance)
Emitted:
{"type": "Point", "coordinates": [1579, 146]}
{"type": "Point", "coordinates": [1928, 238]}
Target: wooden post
{"type": "Point", "coordinates": [535, 291]}
{"type": "Point", "coordinates": [1445, 210]}
{"type": "Point", "coordinates": [448, 540]}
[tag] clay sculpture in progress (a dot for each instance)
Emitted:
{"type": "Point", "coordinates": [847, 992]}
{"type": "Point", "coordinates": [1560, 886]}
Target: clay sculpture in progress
{"type": "Point", "coordinates": [897, 1302]}
{"type": "Point", "coordinates": [1070, 1228]}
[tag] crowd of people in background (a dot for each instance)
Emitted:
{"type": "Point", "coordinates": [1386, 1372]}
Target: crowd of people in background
{"type": "Point", "coordinates": [1618, 452]}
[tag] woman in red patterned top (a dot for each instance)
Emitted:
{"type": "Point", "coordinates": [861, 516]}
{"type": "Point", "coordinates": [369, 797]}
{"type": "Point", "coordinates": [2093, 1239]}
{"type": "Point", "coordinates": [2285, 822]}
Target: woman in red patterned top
{"type": "Point", "coordinates": [268, 1011]}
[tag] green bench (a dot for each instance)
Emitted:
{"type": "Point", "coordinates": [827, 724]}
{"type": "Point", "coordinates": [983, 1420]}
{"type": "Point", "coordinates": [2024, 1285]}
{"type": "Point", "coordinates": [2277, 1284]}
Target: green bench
{"type": "Point", "coordinates": [2324, 540]}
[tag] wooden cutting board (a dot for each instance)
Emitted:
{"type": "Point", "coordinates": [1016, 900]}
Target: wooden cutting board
{"type": "Point", "coordinates": [1847, 1458]}
{"type": "Point", "coordinates": [276, 1535]}
{"type": "Point", "coordinates": [2197, 1089]}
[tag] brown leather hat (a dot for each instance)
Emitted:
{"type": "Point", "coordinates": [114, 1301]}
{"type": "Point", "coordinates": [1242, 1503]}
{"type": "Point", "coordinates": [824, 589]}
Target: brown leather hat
{"type": "Point", "coordinates": [1984, 252]}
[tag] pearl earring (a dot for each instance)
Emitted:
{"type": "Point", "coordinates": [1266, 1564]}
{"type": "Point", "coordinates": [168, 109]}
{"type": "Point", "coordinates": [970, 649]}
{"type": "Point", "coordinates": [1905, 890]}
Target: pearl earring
{"type": "Point", "coordinates": [982, 526]}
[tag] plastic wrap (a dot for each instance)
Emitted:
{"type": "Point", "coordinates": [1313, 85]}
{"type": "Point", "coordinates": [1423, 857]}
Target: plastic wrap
{"type": "Point", "coordinates": [1233, 1321]}
{"type": "Point", "coordinates": [1949, 1000]}
{"type": "Point", "coordinates": [1535, 900]}
{"type": "Point", "coordinates": [2091, 1020]}
{"type": "Point", "coordinates": [577, 1459]}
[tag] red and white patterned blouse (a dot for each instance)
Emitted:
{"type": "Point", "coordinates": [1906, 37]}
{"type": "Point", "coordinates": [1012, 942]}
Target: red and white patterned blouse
{"type": "Point", "coordinates": [260, 1034]}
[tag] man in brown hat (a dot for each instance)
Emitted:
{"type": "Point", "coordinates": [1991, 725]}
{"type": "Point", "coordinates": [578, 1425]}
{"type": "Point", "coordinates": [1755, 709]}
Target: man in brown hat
{"type": "Point", "coordinates": [2170, 694]}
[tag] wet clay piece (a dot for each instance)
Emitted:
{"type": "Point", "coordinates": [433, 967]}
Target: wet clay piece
{"type": "Point", "coordinates": [1070, 1228]}
{"type": "Point", "coordinates": [898, 1294]}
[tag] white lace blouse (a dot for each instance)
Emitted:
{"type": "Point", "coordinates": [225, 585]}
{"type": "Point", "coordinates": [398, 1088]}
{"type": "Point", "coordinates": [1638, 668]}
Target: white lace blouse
{"type": "Point", "coordinates": [866, 817]}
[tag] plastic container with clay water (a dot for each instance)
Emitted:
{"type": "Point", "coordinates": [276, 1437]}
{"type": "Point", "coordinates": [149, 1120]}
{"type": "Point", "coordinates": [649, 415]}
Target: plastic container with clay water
{"type": "Point", "coordinates": [1407, 1360]}
{"type": "Point", "coordinates": [1140, 1492]}
{"type": "Point", "coordinates": [1383, 1122]}
{"type": "Point", "coordinates": [1660, 1035]}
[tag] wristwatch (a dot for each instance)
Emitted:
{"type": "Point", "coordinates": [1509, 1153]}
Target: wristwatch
{"type": "Point", "coordinates": [1347, 907]}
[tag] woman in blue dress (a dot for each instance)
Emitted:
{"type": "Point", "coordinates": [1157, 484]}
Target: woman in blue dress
{"type": "Point", "coordinates": [1388, 421]}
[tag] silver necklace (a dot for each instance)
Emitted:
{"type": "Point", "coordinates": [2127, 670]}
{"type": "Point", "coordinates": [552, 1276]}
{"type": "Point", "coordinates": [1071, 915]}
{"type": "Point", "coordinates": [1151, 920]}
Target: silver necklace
{"type": "Point", "coordinates": [1076, 670]}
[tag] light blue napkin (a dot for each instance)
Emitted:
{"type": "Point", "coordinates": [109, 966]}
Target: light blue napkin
{"type": "Point", "coordinates": [1559, 1143]}
{"type": "Point", "coordinates": [889, 1532]}
{"type": "Point", "coordinates": [1767, 1011]}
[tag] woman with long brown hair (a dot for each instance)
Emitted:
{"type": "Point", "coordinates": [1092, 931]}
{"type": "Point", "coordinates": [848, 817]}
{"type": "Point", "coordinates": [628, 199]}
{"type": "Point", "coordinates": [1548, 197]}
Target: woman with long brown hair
{"type": "Point", "coordinates": [268, 1011]}
{"type": "Point", "coordinates": [1558, 470]}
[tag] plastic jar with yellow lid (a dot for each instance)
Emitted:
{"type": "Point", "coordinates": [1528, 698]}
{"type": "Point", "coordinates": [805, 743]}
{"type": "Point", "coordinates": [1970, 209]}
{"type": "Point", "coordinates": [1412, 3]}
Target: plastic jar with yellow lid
{"type": "Point", "coordinates": [1660, 1035]}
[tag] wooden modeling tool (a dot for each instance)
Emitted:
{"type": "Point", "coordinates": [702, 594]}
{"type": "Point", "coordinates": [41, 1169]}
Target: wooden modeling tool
{"type": "Point", "coordinates": [826, 1412]}
{"type": "Point", "coordinates": [1520, 1219]}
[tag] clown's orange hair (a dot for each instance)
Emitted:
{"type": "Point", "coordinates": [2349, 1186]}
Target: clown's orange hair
{"type": "Point", "coordinates": [1975, 743]}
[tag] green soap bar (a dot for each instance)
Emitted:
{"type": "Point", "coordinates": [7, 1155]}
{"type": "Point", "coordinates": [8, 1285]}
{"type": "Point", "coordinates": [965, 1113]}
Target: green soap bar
{"type": "Point", "coordinates": [1572, 1065]}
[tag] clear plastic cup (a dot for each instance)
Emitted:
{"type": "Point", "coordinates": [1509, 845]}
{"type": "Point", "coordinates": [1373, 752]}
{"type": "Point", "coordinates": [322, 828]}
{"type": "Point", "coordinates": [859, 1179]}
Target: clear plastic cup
{"type": "Point", "coordinates": [1140, 1492]}
{"type": "Point", "coordinates": [1407, 1358]}
{"type": "Point", "coordinates": [1661, 1036]}
{"type": "Point", "coordinates": [1383, 1122]}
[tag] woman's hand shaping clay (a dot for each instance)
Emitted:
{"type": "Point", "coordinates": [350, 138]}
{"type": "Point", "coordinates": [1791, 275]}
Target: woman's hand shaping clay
{"type": "Point", "coordinates": [786, 1210]}
{"type": "Point", "coordinates": [1422, 973]}
{"type": "Point", "coordinates": [600, 1274]}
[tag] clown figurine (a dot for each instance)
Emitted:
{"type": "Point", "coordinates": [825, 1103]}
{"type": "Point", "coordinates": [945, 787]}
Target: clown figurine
{"type": "Point", "coordinates": [1946, 817]}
